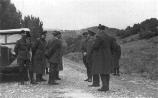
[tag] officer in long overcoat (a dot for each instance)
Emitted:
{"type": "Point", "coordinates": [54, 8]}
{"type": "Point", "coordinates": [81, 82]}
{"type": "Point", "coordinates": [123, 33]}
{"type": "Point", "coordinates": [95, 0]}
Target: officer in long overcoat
{"type": "Point", "coordinates": [102, 52]}
{"type": "Point", "coordinates": [38, 56]}
{"type": "Point", "coordinates": [90, 43]}
{"type": "Point", "coordinates": [22, 50]}
{"type": "Point", "coordinates": [116, 58]}
{"type": "Point", "coordinates": [54, 56]}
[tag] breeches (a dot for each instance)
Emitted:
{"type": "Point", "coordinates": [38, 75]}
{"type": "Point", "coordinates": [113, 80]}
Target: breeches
{"type": "Point", "coordinates": [24, 65]}
{"type": "Point", "coordinates": [53, 67]}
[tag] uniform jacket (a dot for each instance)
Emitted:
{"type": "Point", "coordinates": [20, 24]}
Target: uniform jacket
{"type": "Point", "coordinates": [54, 51]}
{"type": "Point", "coordinates": [102, 52]}
{"type": "Point", "coordinates": [38, 56]}
{"type": "Point", "coordinates": [22, 49]}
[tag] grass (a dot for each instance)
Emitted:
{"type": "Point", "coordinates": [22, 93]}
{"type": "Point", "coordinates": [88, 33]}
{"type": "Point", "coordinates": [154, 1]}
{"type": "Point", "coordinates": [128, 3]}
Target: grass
{"type": "Point", "coordinates": [138, 56]}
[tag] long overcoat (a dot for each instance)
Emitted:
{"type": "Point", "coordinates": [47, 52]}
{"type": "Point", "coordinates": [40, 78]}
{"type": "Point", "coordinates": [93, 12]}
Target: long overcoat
{"type": "Point", "coordinates": [38, 56]}
{"type": "Point", "coordinates": [54, 52]}
{"type": "Point", "coordinates": [102, 52]}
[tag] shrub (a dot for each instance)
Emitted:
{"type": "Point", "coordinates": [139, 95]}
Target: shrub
{"type": "Point", "coordinates": [147, 34]}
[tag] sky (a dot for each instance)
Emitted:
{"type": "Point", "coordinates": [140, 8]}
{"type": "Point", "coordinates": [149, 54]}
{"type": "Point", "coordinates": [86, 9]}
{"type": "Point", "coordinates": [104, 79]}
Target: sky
{"type": "Point", "coordinates": [78, 14]}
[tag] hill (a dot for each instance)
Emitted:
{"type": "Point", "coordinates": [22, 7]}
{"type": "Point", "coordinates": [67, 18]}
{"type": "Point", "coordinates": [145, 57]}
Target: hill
{"type": "Point", "coordinates": [139, 48]}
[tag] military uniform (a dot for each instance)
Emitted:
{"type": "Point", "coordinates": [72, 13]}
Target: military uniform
{"type": "Point", "coordinates": [90, 44]}
{"type": "Point", "coordinates": [54, 56]}
{"type": "Point", "coordinates": [102, 52]}
{"type": "Point", "coordinates": [84, 55]}
{"type": "Point", "coordinates": [116, 58]}
{"type": "Point", "coordinates": [22, 50]}
{"type": "Point", "coordinates": [38, 58]}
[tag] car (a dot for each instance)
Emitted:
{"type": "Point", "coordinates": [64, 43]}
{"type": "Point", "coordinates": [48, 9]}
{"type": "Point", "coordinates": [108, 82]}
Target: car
{"type": "Point", "coordinates": [9, 69]}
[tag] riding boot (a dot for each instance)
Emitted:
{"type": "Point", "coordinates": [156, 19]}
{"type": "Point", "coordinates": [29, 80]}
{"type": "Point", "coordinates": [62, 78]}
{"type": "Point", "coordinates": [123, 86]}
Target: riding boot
{"type": "Point", "coordinates": [105, 82]}
{"type": "Point", "coordinates": [96, 81]}
{"type": "Point", "coordinates": [32, 81]}
{"type": "Point", "coordinates": [51, 80]}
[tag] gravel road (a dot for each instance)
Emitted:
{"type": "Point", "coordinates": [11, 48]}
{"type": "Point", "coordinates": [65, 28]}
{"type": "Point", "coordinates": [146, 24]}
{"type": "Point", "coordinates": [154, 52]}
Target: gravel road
{"type": "Point", "coordinates": [72, 85]}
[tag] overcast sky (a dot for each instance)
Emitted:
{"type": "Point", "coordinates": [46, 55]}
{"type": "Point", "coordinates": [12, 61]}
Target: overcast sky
{"type": "Point", "coordinates": [77, 14]}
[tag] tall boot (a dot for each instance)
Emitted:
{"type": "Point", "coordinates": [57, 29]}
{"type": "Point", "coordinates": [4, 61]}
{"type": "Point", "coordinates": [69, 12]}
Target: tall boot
{"type": "Point", "coordinates": [22, 74]}
{"type": "Point", "coordinates": [105, 82]}
{"type": "Point", "coordinates": [32, 81]}
{"type": "Point", "coordinates": [51, 80]}
{"type": "Point", "coordinates": [89, 74]}
{"type": "Point", "coordinates": [96, 81]}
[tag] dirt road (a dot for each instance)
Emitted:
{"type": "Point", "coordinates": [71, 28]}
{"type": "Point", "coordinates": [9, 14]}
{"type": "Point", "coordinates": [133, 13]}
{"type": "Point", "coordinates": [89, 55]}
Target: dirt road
{"type": "Point", "coordinates": [72, 85]}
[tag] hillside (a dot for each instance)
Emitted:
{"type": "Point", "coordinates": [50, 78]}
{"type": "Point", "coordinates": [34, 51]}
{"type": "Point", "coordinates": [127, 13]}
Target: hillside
{"type": "Point", "coordinates": [139, 56]}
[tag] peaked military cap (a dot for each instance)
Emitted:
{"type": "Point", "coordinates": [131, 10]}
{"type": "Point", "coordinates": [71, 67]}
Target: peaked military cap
{"type": "Point", "coordinates": [25, 33]}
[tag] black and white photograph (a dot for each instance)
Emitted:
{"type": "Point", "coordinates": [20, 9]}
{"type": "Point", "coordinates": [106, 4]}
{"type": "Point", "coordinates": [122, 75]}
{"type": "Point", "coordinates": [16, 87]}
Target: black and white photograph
{"type": "Point", "coordinates": [78, 49]}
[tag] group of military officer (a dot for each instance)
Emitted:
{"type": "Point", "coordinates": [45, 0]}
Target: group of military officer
{"type": "Point", "coordinates": [101, 55]}
{"type": "Point", "coordinates": [33, 56]}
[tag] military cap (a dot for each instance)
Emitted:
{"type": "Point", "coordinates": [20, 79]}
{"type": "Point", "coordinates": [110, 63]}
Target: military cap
{"type": "Point", "coordinates": [56, 33]}
{"type": "Point", "coordinates": [25, 33]}
{"type": "Point", "coordinates": [101, 27]}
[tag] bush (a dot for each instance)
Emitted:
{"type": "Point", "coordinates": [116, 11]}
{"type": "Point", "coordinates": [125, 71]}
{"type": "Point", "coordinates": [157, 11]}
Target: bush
{"type": "Point", "coordinates": [147, 34]}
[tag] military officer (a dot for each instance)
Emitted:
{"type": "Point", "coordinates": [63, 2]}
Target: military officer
{"type": "Point", "coordinates": [102, 52]}
{"type": "Point", "coordinates": [54, 56]}
{"type": "Point", "coordinates": [61, 63]}
{"type": "Point", "coordinates": [116, 58]}
{"type": "Point", "coordinates": [38, 57]}
{"type": "Point", "coordinates": [90, 43]}
{"type": "Point", "coordinates": [22, 50]}
{"type": "Point", "coordinates": [84, 55]}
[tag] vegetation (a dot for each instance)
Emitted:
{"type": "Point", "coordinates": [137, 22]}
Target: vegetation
{"type": "Point", "coordinates": [145, 29]}
{"type": "Point", "coordinates": [139, 45]}
{"type": "Point", "coordinates": [11, 18]}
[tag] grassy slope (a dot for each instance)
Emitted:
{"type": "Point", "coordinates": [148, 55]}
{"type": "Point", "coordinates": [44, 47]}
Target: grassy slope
{"type": "Point", "coordinates": [140, 56]}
